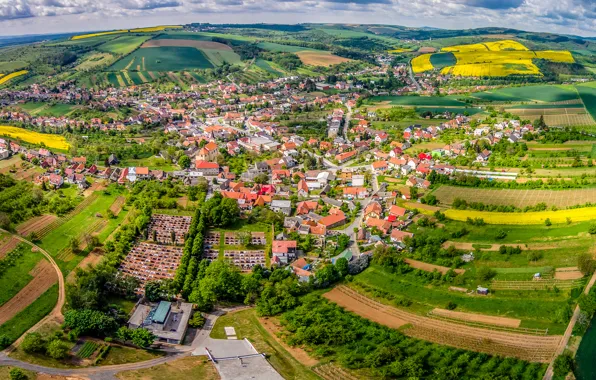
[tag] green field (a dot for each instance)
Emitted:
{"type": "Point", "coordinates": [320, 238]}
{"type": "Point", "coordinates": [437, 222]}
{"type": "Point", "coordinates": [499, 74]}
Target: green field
{"type": "Point", "coordinates": [533, 308]}
{"type": "Point", "coordinates": [31, 314]}
{"type": "Point", "coordinates": [546, 106]}
{"type": "Point", "coordinates": [271, 46]}
{"type": "Point", "coordinates": [266, 65]}
{"type": "Point", "coordinates": [432, 101]}
{"type": "Point", "coordinates": [455, 110]}
{"type": "Point", "coordinates": [542, 93]}
{"type": "Point", "coordinates": [11, 66]}
{"type": "Point", "coordinates": [17, 276]}
{"type": "Point", "coordinates": [123, 45]}
{"type": "Point", "coordinates": [588, 96]}
{"type": "Point", "coordinates": [443, 60]}
{"type": "Point", "coordinates": [166, 58]}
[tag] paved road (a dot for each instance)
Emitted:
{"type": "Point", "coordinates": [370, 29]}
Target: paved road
{"type": "Point", "coordinates": [413, 78]}
{"type": "Point", "coordinates": [109, 372]}
{"type": "Point", "coordinates": [56, 313]}
{"type": "Point", "coordinates": [347, 124]}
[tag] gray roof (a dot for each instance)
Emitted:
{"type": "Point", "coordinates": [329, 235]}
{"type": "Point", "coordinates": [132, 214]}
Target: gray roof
{"type": "Point", "coordinates": [281, 203]}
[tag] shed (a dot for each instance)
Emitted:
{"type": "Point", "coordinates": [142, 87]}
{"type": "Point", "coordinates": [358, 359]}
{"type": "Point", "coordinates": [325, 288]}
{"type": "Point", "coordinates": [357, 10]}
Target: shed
{"type": "Point", "coordinates": [481, 290]}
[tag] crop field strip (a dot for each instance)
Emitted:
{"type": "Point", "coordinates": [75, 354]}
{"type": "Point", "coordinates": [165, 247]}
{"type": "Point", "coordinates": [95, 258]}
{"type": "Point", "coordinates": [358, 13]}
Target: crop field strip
{"type": "Point", "coordinates": [67, 253]}
{"type": "Point", "coordinates": [58, 222]}
{"type": "Point", "coordinates": [535, 284]}
{"type": "Point", "coordinates": [523, 346]}
{"type": "Point", "coordinates": [512, 197]}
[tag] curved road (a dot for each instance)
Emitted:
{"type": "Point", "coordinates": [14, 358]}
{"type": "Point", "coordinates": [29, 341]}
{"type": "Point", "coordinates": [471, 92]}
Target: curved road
{"type": "Point", "coordinates": [56, 313]}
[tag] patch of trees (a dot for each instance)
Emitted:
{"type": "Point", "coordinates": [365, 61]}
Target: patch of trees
{"type": "Point", "coordinates": [353, 54]}
{"type": "Point", "coordinates": [471, 181]}
{"type": "Point", "coordinates": [363, 43]}
{"type": "Point", "coordinates": [220, 211]}
{"type": "Point", "coordinates": [61, 58]}
{"type": "Point", "coordinates": [559, 136]}
{"type": "Point", "coordinates": [462, 204]}
{"type": "Point", "coordinates": [53, 346]}
{"type": "Point", "coordinates": [289, 61]}
{"type": "Point", "coordinates": [552, 70]}
{"type": "Point", "coordinates": [396, 114]}
{"type": "Point", "coordinates": [357, 343]}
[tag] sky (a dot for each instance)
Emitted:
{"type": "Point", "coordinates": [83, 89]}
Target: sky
{"type": "Point", "coordinates": [57, 16]}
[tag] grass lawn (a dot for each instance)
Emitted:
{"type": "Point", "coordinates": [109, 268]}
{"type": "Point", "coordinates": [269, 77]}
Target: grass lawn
{"type": "Point", "coordinates": [31, 314]}
{"type": "Point", "coordinates": [125, 304]}
{"type": "Point", "coordinates": [535, 309]}
{"type": "Point", "coordinates": [192, 367]}
{"type": "Point", "coordinates": [17, 276]}
{"type": "Point", "coordinates": [247, 325]}
{"type": "Point", "coordinates": [242, 225]}
{"type": "Point", "coordinates": [123, 355]}
{"type": "Point", "coordinates": [153, 163]}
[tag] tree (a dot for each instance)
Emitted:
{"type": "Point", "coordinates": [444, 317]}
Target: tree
{"type": "Point", "coordinates": [342, 266]}
{"type": "Point", "coordinates": [4, 341]}
{"type": "Point", "coordinates": [142, 337]}
{"type": "Point", "coordinates": [586, 264]}
{"type": "Point", "coordinates": [547, 222]}
{"type": "Point", "coordinates": [91, 322]}
{"type": "Point", "coordinates": [57, 349]}
{"type": "Point", "coordinates": [485, 273]}
{"type": "Point", "coordinates": [563, 365]}
{"type": "Point", "coordinates": [501, 234]}
{"type": "Point", "coordinates": [17, 374]}
{"type": "Point", "coordinates": [74, 244]}
{"type": "Point", "coordinates": [184, 162]}
{"type": "Point", "coordinates": [33, 343]}
{"type": "Point", "coordinates": [153, 291]}
{"type": "Point", "coordinates": [592, 229]}
{"type": "Point", "coordinates": [262, 178]}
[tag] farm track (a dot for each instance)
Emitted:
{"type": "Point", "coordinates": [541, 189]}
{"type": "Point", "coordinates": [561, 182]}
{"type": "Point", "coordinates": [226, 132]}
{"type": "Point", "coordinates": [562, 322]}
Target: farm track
{"type": "Point", "coordinates": [330, 371]}
{"type": "Point", "coordinates": [523, 346]}
{"type": "Point", "coordinates": [44, 276]}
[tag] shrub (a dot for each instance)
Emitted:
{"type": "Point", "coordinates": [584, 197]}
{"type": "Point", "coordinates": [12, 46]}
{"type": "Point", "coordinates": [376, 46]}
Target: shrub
{"type": "Point", "coordinates": [563, 365]}
{"type": "Point", "coordinates": [592, 229]}
{"type": "Point", "coordinates": [451, 306]}
{"type": "Point", "coordinates": [547, 222]}
{"type": "Point", "coordinates": [5, 341]}
{"type": "Point", "coordinates": [57, 349]}
{"type": "Point", "coordinates": [197, 321]}
{"type": "Point", "coordinates": [501, 234]}
{"type": "Point", "coordinates": [17, 374]}
{"type": "Point", "coordinates": [33, 343]}
{"type": "Point", "coordinates": [485, 273]}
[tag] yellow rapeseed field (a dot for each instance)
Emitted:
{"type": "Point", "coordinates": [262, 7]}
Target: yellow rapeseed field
{"type": "Point", "coordinates": [83, 36]}
{"type": "Point", "coordinates": [155, 28]}
{"type": "Point", "coordinates": [398, 50]}
{"type": "Point", "coordinates": [465, 48]}
{"type": "Point", "coordinates": [6, 78]}
{"type": "Point", "coordinates": [32, 137]}
{"type": "Point", "coordinates": [505, 45]}
{"type": "Point", "coordinates": [492, 56]}
{"type": "Point", "coordinates": [556, 56]}
{"type": "Point", "coordinates": [501, 69]}
{"type": "Point", "coordinates": [422, 63]}
{"type": "Point", "coordinates": [525, 218]}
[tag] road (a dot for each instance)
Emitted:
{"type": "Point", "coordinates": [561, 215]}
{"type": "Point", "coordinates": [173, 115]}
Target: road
{"type": "Point", "coordinates": [347, 124]}
{"type": "Point", "coordinates": [109, 372]}
{"type": "Point", "coordinates": [56, 313]}
{"type": "Point", "coordinates": [413, 78]}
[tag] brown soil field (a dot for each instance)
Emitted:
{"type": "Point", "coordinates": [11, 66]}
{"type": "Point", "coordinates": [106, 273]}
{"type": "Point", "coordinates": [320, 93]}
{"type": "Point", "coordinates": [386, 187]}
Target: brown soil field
{"type": "Point", "coordinates": [8, 245]}
{"type": "Point", "coordinates": [93, 258]}
{"type": "Point", "coordinates": [187, 43]}
{"type": "Point", "coordinates": [44, 276]}
{"type": "Point", "coordinates": [372, 312]}
{"type": "Point", "coordinates": [536, 348]}
{"type": "Point", "coordinates": [151, 73]}
{"type": "Point", "coordinates": [569, 273]}
{"type": "Point", "coordinates": [431, 267]}
{"type": "Point", "coordinates": [35, 225]}
{"type": "Point", "coordinates": [298, 353]}
{"type": "Point", "coordinates": [182, 201]}
{"type": "Point", "coordinates": [96, 186]}
{"type": "Point", "coordinates": [470, 317]}
{"type": "Point", "coordinates": [116, 207]}
{"type": "Point", "coordinates": [320, 58]}
{"type": "Point", "coordinates": [427, 49]}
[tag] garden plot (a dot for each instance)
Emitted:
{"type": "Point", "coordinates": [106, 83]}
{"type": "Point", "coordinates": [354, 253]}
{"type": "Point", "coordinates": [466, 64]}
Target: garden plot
{"type": "Point", "coordinates": [35, 225]}
{"type": "Point", "coordinates": [518, 198]}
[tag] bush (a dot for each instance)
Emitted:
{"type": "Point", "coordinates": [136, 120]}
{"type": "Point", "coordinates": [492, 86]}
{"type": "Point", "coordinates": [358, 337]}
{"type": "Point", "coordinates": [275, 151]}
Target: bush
{"type": "Point", "coordinates": [197, 321]}
{"type": "Point", "coordinates": [592, 229]}
{"type": "Point", "coordinates": [17, 374]}
{"type": "Point", "coordinates": [451, 306]}
{"type": "Point", "coordinates": [485, 273]}
{"type": "Point", "coordinates": [5, 341]}
{"type": "Point", "coordinates": [547, 222]}
{"type": "Point", "coordinates": [563, 365]}
{"type": "Point", "coordinates": [57, 349]}
{"type": "Point", "coordinates": [33, 343]}
{"type": "Point", "coordinates": [501, 234]}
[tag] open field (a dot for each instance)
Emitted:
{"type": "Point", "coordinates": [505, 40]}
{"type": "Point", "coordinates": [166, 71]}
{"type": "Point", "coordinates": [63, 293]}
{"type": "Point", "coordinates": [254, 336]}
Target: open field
{"type": "Point", "coordinates": [167, 58]}
{"type": "Point", "coordinates": [137, 30]}
{"type": "Point", "coordinates": [18, 276]}
{"type": "Point", "coordinates": [501, 321]}
{"type": "Point", "coordinates": [540, 93]}
{"type": "Point", "coordinates": [96, 59]}
{"type": "Point", "coordinates": [32, 314]}
{"type": "Point", "coordinates": [123, 45]}
{"type": "Point", "coordinates": [44, 276]}
{"type": "Point", "coordinates": [430, 267]}
{"type": "Point", "coordinates": [538, 217]}
{"type": "Point", "coordinates": [519, 198]}
{"type": "Point", "coordinates": [7, 244]}
{"type": "Point", "coordinates": [191, 367]}
{"type": "Point", "coordinates": [32, 137]}
{"type": "Point", "coordinates": [7, 78]}
{"type": "Point", "coordinates": [422, 63]}
{"type": "Point", "coordinates": [523, 346]}
{"type": "Point", "coordinates": [428, 101]}
{"type": "Point", "coordinates": [588, 96]}
{"type": "Point", "coordinates": [320, 58]}
{"type": "Point", "coordinates": [247, 325]}
{"type": "Point", "coordinates": [216, 52]}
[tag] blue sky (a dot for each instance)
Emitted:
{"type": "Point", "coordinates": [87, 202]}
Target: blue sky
{"type": "Point", "coordinates": [54, 16]}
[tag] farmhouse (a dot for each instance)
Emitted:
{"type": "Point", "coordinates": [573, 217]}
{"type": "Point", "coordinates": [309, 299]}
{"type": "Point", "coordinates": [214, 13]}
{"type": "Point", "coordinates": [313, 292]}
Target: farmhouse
{"type": "Point", "coordinates": [166, 320]}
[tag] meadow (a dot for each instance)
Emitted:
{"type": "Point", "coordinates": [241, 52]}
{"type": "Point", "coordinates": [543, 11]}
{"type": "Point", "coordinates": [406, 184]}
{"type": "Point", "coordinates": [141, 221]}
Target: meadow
{"type": "Point", "coordinates": [17, 276]}
{"type": "Point", "coordinates": [167, 58]}
{"type": "Point", "coordinates": [32, 137]}
{"type": "Point", "coordinates": [588, 96]}
{"type": "Point", "coordinates": [123, 45]}
{"type": "Point", "coordinates": [540, 93]}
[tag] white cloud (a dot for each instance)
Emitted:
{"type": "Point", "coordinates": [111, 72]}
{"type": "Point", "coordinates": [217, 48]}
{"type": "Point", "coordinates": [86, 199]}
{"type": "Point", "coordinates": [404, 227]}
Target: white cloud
{"type": "Point", "coordinates": [50, 16]}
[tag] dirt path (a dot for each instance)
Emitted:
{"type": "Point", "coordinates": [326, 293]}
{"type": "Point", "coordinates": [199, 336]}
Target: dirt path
{"type": "Point", "coordinates": [56, 313]}
{"type": "Point", "coordinates": [431, 267]}
{"type": "Point", "coordinates": [488, 319]}
{"type": "Point", "coordinates": [297, 352]}
{"type": "Point", "coordinates": [44, 277]}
